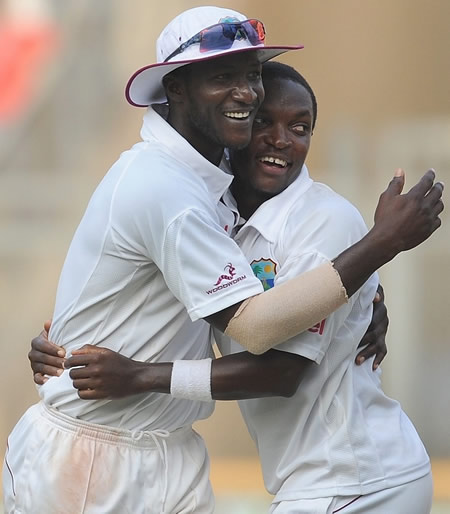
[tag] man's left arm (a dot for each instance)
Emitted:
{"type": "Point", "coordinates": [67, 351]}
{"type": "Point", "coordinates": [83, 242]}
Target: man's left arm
{"type": "Point", "coordinates": [105, 373]}
{"type": "Point", "coordinates": [101, 373]}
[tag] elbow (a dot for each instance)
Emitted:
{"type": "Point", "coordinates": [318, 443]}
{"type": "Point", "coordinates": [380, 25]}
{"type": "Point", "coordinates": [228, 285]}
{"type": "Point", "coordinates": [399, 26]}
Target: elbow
{"type": "Point", "coordinates": [290, 384]}
{"type": "Point", "coordinates": [289, 391]}
{"type": "Point", "coordinates": [255, 350]}
{"type": "Point", "coordinates": [256, 345]}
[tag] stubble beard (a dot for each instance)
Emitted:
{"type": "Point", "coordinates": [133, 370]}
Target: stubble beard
{"type": "Point", "coordinates": [203, 127]}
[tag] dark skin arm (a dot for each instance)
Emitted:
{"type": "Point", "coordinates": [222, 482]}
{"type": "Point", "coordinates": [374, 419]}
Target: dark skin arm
{"type": "Point", "coordinates": [402, 221]}
{"type": "Point", "coordinates": [107, 374]}
{"type": "Point", "coordinates": [274, 373]}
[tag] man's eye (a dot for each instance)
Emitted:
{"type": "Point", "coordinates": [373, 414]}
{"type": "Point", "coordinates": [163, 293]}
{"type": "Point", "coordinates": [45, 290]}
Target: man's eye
{"type": "Point", "coordinates": [255, 75]}
{"type": "Point", "coordinates": [301, 129]}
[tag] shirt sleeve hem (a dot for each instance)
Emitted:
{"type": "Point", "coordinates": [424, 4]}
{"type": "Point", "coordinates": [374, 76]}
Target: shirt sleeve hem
{"type": "Point", "coordinates": [224, 300]}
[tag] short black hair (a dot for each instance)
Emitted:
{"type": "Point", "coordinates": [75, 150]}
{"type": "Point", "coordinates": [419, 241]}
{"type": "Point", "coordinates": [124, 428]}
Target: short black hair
{"type": "Point", "coordinates": [278, 70]}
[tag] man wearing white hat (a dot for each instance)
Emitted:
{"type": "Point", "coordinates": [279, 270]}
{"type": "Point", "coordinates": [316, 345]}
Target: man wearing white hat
{"type": "Point", "coordinates": [150, 260]}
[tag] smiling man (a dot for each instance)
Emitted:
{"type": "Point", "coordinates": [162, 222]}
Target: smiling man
{"type": "Point", "coordinates": [338, 444]}
{"type": "Point", "coordinates": [329, 439]}
{"type": "Point", "coordinates": [139, 279]}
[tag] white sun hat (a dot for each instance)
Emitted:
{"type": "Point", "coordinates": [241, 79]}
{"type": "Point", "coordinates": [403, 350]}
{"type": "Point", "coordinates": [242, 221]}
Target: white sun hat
{"type": "Point", "coordinates": [198, 34]}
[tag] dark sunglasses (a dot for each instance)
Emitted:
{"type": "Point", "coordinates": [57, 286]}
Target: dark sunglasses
{"type": "Point", "coordinates": [222, 35]}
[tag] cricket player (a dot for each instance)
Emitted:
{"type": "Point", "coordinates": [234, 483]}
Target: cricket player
{"type": "Point", "coordinates": [141, 276]}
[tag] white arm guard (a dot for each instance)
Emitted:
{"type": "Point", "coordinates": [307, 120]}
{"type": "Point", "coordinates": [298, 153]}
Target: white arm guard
{"type": "Point", "coordinates": [270, 318]}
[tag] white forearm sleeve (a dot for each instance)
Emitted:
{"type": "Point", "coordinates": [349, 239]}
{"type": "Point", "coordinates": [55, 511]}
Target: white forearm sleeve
{"type": "Point", "coordinates": [268, 319]}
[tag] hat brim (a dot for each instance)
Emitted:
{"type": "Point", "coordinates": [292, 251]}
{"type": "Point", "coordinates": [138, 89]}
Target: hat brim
{"type": "Point", "coordinates": [145, 85]}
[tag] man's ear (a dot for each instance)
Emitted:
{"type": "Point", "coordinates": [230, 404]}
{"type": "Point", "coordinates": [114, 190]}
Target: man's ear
{"type": "Point", "coordinates": [174, 87]}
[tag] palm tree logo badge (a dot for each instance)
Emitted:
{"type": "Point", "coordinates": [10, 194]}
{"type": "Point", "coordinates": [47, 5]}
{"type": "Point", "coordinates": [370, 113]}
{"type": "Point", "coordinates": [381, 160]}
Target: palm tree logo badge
{"type": "Point", "coordinates": [265, 270]}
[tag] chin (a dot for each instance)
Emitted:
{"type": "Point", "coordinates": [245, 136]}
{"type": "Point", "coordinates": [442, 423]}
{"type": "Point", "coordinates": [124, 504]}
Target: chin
{"type": "Point", "coordinates": [238, 146]}
{"type": "Point", "coordinates": [238, 143]}
{"type": "Point", "coordinates": [269, 190]}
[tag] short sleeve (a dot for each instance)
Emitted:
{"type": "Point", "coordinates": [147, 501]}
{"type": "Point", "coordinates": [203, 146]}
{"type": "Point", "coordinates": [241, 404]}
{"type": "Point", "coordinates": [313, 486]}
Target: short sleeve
{"type": "Point", "coordinates": [167, 220]}
{"type": "Point", "coordinates": [203, 266]}
{"type": "Point", "coordinates": [314, 342]}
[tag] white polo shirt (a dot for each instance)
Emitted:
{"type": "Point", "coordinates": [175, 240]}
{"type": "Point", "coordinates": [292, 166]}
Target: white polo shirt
{"type": "Point", "coordinates": [339, 434]}
{"type": "Point", "coordinates": [150, 258]}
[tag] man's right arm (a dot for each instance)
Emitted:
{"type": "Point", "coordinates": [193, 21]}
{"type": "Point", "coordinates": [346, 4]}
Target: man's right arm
{"type": "Point", "coordinates": [401, 223]}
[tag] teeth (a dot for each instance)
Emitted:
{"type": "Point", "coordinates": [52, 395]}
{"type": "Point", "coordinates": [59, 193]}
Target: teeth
{"type": "Point", "coordinates": [240, 115]}
{"type": "Point", "coordinates": [274, 160]}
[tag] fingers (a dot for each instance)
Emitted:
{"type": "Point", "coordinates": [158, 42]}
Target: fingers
{"type": "Point", "coordinates": [374, 340]}
{"type": "Point", "coordinates": [433, 200]}
{"type": "Point", "coordinates": [380, 292]}
{"type": "Point", "coordinates": [39, 379]}
{"type": "Point", "coordinates": [47, 325]}
{"type": "Point", "coordinates": [83, 383]}
{"type": "Point", "coordinates": [84, 356]}
{"type": "Point", "coordinates": [47, 369]}
{"type": "Point", "coordinates": [435, 192]}
{"type": "Point", "coordinates": [424, 185]}
{"type": "Point", "coordinates": [361, 357]}
{"type": "Point", "coordinates": [89, 389]}
{"type": "Point", "coordinates": [42, 363]}
{"type": "Point", "coordinates": [437, 208]}
{"type": "Point", "coordinates": [88, 348]}
{"type": "Point", "coordinates": [396, 185]}
{"type": "Point", "coordinates": [378, 348]}
{"type": "Point", "coordinates": [91, 394]}
{"type": "Point", "coordinates": [83, 372]}
{"type": "Point", "coordinates": [43, 345]}
{"type": "Point", "coordinates": [379, 357]}
{"type": "Point", "coordinates": [38, 357]}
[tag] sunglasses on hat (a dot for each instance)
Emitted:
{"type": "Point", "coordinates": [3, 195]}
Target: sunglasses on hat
{"type": "Point", "coordinates": [222, 36]}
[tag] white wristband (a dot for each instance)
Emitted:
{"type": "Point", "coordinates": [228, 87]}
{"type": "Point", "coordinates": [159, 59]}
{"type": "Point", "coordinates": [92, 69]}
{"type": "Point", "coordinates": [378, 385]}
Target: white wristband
{"type": "Point", "coordinates": [191, 380]}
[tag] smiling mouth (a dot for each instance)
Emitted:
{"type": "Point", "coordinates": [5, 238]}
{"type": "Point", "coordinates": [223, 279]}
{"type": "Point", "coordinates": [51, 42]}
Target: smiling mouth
{"type": "Point", "coordinates": [237, 115]}
{"type": "Point", "coordinates": [273, 161]}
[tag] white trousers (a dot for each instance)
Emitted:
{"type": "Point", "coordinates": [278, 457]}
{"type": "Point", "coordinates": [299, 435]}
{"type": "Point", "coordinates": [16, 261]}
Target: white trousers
{"type": "Point", "coordinates": [412, 498]}
{"type": "Point", "coordinates": [55, 464]}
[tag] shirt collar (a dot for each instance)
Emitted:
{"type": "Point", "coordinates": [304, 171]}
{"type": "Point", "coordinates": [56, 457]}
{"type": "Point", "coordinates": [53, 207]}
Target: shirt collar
{"type": "Point", "coordinates": [155, 127]}
{"type": "Point", "coordinates": [269, 216]}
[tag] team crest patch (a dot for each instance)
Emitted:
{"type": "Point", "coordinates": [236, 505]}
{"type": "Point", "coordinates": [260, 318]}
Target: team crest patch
{"type": "Point", "coordinates": [265, 270]}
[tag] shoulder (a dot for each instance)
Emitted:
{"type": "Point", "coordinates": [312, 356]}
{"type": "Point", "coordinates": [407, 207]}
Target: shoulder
{"type": "Point", "coordinates": [153, 179]}
{"type": "Point", "coordinates": [323, 221]}
{"type": "Point", "coordinates": [323, 208]}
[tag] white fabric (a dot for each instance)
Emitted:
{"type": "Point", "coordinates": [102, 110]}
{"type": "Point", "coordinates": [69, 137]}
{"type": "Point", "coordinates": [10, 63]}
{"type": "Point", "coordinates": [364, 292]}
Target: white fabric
{"type": "Point", "coordinates": [266, 320]}
{"type": "Point", "coordinates": [189, 23]}
{"type": "Point", "coordinates": [145, 85]}
{"type": "Point", "coordinates": [411, 498]}
{"type": "Point", "coordinates": [339, 434]}
{"type": "Point", "coordinates": [152, 241]}
{"type": "Point", "coordinates": [68, 466]}
{"type": "Point", "coordinates": [191, 380]}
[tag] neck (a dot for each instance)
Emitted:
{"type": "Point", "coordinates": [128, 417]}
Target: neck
{"type": "Point", "coordinates": [211, 151]}
{"type": "Point", "coordinates": [247, 199]}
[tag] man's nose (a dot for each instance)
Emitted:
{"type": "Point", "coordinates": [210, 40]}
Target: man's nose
{"type": "Point", "coordinates": [278, 136]}
{"type": "Point", "coordinates": [244, 92]}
